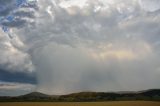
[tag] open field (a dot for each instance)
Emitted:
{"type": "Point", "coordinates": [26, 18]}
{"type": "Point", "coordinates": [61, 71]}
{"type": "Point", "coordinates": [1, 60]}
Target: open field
{"type": "Point", "coordinates": [117, 103]}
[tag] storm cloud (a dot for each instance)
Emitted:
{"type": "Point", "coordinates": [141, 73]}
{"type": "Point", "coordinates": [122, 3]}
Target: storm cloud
{"type": "Point", "coordinates": [86, 45]}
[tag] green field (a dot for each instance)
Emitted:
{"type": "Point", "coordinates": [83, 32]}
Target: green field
{"type": "Point", "coordinates": [120, 103]}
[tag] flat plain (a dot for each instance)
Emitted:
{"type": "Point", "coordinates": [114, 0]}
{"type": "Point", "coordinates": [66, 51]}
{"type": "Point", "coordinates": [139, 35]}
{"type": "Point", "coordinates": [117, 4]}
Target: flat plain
{"type": "Point", "coordinates": [116, 103]}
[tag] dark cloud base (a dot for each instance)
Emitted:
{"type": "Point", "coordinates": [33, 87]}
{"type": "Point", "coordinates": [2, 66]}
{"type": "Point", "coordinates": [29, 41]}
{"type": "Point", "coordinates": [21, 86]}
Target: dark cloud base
{"type": "Point", "coordinates": [19, 77]}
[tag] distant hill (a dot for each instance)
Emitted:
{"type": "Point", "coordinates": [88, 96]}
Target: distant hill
{"type": "Point", "coordinates": [35, 95]}
{"type": "Point", "coordinates": [149, 95]}
{"type": "Point", "coordinates": [152, 92]}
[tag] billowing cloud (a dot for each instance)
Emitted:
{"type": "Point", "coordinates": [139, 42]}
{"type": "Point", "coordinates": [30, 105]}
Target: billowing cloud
{"type": "Point", "coordinates": [149, 5]}
{"type": "Point", "coordinates": [78, 45]}
{"type": "Point", "coordinates": [13, 57]}
{"type": "Point", "coordinates": [15, 14]}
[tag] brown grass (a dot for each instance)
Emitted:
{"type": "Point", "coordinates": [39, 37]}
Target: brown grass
{"type": "Point", "coordinates": [120, 103]}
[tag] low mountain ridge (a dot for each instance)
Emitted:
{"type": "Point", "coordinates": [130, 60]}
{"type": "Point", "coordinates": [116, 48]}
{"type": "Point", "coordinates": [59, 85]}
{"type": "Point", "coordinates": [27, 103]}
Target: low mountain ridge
{"type": "Point", "coordinates": [35, 94]}
{"type": "Point", "coordinates": [149, 95]}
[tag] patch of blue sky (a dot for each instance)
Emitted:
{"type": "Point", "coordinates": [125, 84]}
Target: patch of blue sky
{"type": "Point", "coordinates": [10, 18]}
{"type": "Point", "coordinates": [20, 2]}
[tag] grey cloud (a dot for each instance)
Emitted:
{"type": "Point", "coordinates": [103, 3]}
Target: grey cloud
{"type": "Point", "coordinates": [13, 55]}
{"type": "Point", "coordinates": [6, 7]}
{"type": "Point", "coordinates": [94, 50]}
{"type": "Point", "coordinates": [149, 5]}
{"type": "Point", "coordinates": [15, 89]}
{"type": "Point", "coordinates": [22, 15]}
{"type": "Point", "coordinates": [77, 48]}
{"type": "Point", "coordinates": [16, 23]}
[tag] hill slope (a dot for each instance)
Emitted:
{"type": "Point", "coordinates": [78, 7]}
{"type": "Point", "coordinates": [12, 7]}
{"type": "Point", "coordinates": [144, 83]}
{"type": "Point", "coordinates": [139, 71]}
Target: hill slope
{"type": "Point", "coordinates": [35, 95]}
{"type": "Point", "coordinates": [151, 95]}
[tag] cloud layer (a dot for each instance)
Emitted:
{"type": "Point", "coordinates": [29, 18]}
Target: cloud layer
{"type": "Point", "coordinates": [79, 45]}
{"type": "Point", "coordinates": [15, 14]}
{"type": "Point", "coordinates": [15, 89]}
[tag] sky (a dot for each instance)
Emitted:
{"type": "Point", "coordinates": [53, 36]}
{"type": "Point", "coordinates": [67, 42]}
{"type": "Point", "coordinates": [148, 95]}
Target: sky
{"type": "Point", "coordinates": [65, 46]}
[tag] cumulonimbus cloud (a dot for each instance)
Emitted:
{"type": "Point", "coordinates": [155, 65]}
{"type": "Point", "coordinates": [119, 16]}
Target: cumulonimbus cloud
{"type": "Point", "coordinates": [93, 45]}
